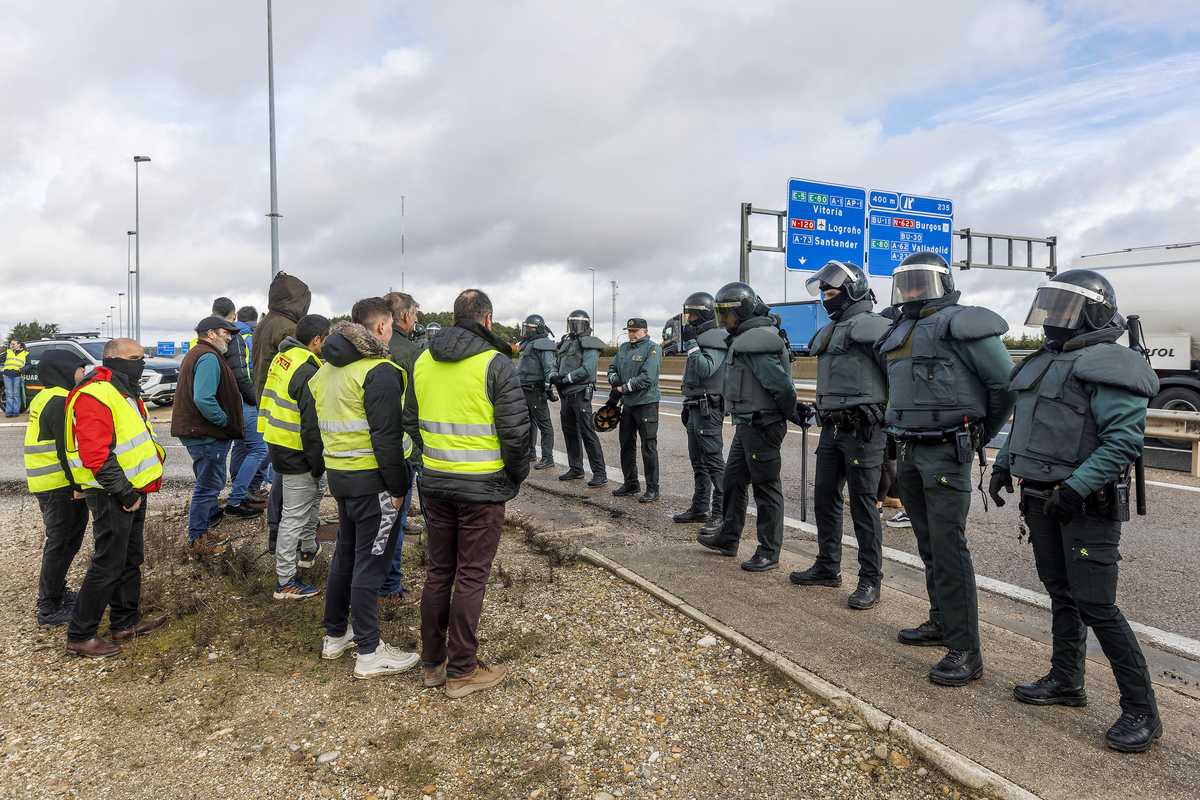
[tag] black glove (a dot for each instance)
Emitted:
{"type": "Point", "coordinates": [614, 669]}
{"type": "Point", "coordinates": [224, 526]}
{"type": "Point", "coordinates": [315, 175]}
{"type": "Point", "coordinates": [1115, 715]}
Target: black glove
{"type": "Point", "coordinates": [551, 396]}
{"type": "Point", "coordinates": [615, 382]}
{"type": "Point", "coordinates": [801, 415]}
{"type": "Point", "coordinates": [614, 396]}
{"type": "Point", "coordinates": [556, 381]}
{"type": "Point", "coordinates": [683, 415]}
{"type": "Point", "coordinates": [1000, 477]}
{"type": "Point", "coordinates": [689, 332]}
{"type": "Point", "coordinates": [1063, 505]}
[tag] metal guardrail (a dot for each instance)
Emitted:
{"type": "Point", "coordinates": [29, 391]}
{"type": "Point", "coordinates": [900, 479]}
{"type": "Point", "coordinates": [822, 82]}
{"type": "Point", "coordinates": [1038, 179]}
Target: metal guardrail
{"type": "Point", "coordinates": [1160, 424]}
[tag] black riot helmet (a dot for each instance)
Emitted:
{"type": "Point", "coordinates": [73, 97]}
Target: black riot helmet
{"type": "Point", "coordinates": [417, 333]}
{"type": "Point", "coordinates": [921, 276]}
{"type": "Point", "coordinates": [534, 325]}
{"type": "Point", "coordinates": [700, 304]}
{"type": "Point", "coordinates": [579, 323]}
{"type": "Point", "coordinates": [843, 275]}
{"type": "Point", "coordinates": [737, 299]}
{"type": "Point", "coordinates": [1076, 300]}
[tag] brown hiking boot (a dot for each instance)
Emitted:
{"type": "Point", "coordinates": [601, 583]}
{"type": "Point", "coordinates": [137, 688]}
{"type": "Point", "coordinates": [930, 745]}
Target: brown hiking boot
{"type": "Point", "coordinates": [435, 675]}
{"type": "Point", "coordinates": [210, 545]}
{"type": "Point", "coordinates": [482, 677]}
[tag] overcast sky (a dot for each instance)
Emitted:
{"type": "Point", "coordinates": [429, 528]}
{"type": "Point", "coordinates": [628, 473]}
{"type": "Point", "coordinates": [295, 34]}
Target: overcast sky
{"type": "Point", "coordinates": [535, 140]}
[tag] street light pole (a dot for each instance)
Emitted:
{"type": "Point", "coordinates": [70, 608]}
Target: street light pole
{"type": "Point", "coordinates": [129, 281]}
{"type": "Point", "coordinates": [137, 247]}
{"type": "Point", "coordinates": [120, 323]}
{"type": "Point", "coordinates": [112, 319]}
{"type": "Point", "coordinates": [593, 271]}
{"type": "Point", "coordinates": [274, 215]}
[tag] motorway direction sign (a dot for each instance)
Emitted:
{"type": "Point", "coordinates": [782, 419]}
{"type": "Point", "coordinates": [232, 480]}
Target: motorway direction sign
{"type": "Point", "coordinates": [825, 222]}
{"type": "Point", "coordinates": [902, 224]}
{"type": "Point", "coordinates": [166, 348]}
{"type": "Point", "coordinates": [183, 348]}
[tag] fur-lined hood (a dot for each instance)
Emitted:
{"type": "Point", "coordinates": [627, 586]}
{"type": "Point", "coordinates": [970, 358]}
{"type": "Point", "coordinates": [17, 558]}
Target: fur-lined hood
{"type": "Point", "coordinates": [348, 342]}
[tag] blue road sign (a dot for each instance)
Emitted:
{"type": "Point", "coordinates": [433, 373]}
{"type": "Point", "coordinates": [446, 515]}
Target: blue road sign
{"type": "Point", "coordinates": [826, 222]}
{"type": "Point", "coordinates": [166, 348]}
{"type": "Point", "coordinates": [902, 224]}
{"type": "Point", "coordinates": [183, 348]}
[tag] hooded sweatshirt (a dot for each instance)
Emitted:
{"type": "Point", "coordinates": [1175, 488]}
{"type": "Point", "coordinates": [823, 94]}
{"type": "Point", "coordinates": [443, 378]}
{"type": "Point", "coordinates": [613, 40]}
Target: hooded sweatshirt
{"type": "Point", "coordinates": [309, 459]}
{"type": "Point", "coordinates": [57, 368]}
{"type": "Point", "coordinates": [287, 301]}
{"type": "Point", "coordinates": [465, 339]}
{"type": "Point", "coordinates": [383, 401]}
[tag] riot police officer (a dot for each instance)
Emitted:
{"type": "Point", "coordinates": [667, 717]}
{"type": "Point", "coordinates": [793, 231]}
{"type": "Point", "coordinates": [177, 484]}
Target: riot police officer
{"type": "Point", "coordinates": [417, 334]}
{"type": "Point", "coordinates": [535, 367]}
{"type": "Point", "coordinates": [947, 397]}
{"type": "Point", "coordinates": [578, 355]}
{"type": "Point", "coordinates": [704, 410]}
{"type": "Point", "coordinates": [633, 375]}
{"type": "Point", "coordinates": [761, 400]}
{"type": "Point", "coordinates": [1077, 429]}
{"type": "Point", "coordinates": [851, 396]}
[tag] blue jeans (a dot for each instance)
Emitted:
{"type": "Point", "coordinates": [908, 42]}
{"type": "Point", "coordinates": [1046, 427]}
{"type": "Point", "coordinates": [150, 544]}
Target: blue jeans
{"type": "Point", "coordinates": [208, 465]}
{"type": "Point", "coordinates": [12, 395]}
{"type": "Point", "coordinates": [391, 584]}
{"type": "Point", "coordinates": [247, 456]}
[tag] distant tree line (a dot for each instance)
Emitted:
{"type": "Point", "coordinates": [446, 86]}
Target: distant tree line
{"type": "Point", "coordinates": [31, 332]}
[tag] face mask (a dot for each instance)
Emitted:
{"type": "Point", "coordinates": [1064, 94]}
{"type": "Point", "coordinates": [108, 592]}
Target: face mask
{"type": "Point", "coordinates": [912, 309]}
{"type": "Point", "coordinates": [132, 370]}
{"type": "Point", "coordinates": [1061, 335]}
{"type": "Point", "coordinates": [836, 304]}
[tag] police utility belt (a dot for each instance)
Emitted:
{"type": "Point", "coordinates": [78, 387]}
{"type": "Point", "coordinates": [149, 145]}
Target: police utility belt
{"type": "Point", "coordinates": [707, 403]}
{"type": "Point", "coordinates": [859, 419]}
{"type": "Point", "coordinates": [967, 439]}
{"type": "Point", "coordinates": [1109, 502]}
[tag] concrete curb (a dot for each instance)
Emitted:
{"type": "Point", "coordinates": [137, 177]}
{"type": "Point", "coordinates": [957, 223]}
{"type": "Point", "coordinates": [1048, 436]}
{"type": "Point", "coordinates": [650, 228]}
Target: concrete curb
{"type": "Point", "coordinates": [971, 774]}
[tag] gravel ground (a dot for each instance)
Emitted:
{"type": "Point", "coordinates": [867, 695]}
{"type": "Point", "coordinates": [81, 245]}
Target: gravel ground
{"type": "Point", "coordinates": [610, 694]}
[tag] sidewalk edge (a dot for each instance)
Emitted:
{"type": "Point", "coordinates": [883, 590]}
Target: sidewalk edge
{"type": "Point", "coordinates": [966, 771]}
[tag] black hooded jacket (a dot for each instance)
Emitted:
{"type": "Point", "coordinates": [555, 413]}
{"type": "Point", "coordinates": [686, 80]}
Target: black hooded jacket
{"type": "Point", "coordinates": [465, 339]}
{"type": "Point", "coordinates": [57, 368]}
{"type": "Point", "coordinates": [383, 401]}
{"type": "Point", "coordinates": [308, 459]}
{"type": "Point", "coordinates": [287, 301]}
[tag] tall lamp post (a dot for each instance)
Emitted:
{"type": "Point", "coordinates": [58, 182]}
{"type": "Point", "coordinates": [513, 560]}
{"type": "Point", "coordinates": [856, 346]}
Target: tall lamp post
{"type": "Point", "coordinates": [274, 215]}
{"type": "Point", "coordinates": [137, 247]}
{"type": "Point", "coordinates": [112, 318]}
{"type": "Point", "coordinates": [129, 281]}
{"type": "Point", "coordinates": [593, 271]}
{"type": "Point", "coordinates": [121, 325]}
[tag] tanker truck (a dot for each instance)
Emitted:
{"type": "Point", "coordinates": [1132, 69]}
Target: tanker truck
{"type": "Point", "coordinates": [1160, 284]}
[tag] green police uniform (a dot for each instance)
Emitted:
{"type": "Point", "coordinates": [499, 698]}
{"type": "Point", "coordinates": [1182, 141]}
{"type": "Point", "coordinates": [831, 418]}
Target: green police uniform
{"type": "Point", "coordinates": [635, 369]}
{"type": "Point", "coordinates": [1079, 422]}
{"type": "Point", "coordinates": [578, 357]}
{"type": "Point", "coordinates": [704, 416]}
{"type": "Point", "coordinates": [948, 373]}
{"type": "Point", "coordinates": [535, 366]}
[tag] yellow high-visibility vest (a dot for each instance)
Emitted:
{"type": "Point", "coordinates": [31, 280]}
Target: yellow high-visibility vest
{"type": "Point", "coordinates": [138, 452]}
{"type": "Point", "coordinates": [342, 417]}
{"type": "Point", "coordinates": [458, 422]}
{"type": "Point", "coordinates": [43, 470]}
{"type": "Point", "coordinates": [278, 411]}
{"type": "Point", "coordinates": [14, 359]}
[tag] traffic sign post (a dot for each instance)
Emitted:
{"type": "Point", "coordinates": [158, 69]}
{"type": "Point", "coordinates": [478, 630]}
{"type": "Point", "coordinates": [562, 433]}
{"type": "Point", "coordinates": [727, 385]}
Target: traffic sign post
{"type": "Point", "coordinates": [183, 348]}
{"type": "Point", "coordinates": [166, 348]}
{"type": "Point", "coordinates": [826, 222]}
{"type": "Point", "coordinates": [902, 224]}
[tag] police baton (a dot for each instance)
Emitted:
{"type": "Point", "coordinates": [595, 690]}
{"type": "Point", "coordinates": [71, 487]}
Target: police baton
{"type": "Point", "coordinates": [1134, 323]}
{"type": "Point", "coordinates": [804, 472]}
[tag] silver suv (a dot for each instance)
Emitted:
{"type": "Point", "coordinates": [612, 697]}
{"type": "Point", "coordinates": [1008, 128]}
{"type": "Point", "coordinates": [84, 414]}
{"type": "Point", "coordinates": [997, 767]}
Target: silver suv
{"type": "Point", "coordinates": [158, 381]}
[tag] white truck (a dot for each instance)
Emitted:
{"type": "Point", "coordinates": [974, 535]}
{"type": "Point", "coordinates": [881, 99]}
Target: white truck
{"type": "Point", "coordinates": [1161, 285]}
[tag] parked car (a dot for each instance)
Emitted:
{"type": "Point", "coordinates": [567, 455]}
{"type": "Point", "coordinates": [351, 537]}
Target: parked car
{"type": "Point", "coordinates": [158, 381]}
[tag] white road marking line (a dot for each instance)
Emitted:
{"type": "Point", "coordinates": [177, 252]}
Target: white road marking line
{"type": "Point", "coordinates": [1012, 591]}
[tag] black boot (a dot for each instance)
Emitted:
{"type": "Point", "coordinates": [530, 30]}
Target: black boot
{"type": "Point", "coordinates": [1048, 692]}
{"type": "Point", "coordinates": [713, 526]}
{"type": "Point", "coordinates": [715, 543]}
{"type": "Point", "coordinates": [571, 475]}
{"type": "Point", "coordinates": [649, 497]}
{"type": "Point", "coordinates": [546, 463]}
{"type": "Point", "coordinates": [691, 515]}
{"type": "Point", "coordinates": [927, 634]}
{"type": "Point", "coordinates": [626, 489]}
{"type": "Point", "coordinates": [864, 597]}
{"type": "Point", "coordinates": [597, 480]}
{"type": "Point", "coordinates": [760, 564]}
{"type": "Point", "coordinates": [958, 668]}
{"type": "Point", "coordinates": [816, 576]}
{"type": "Point", "coordinates": [1134, 733]}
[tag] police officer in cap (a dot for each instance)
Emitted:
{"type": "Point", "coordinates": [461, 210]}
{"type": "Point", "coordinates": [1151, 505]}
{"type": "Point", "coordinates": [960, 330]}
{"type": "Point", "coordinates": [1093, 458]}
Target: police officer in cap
{"type": "Point", "coordinates": [948, 396]}
{"type": "Point", "coordinates": [578, 355]}
{"type": "Point", "coordinates": [536, 366]}
{"type": "Point", "coordinates": [1077, 429]}
{"type": "Point", "coordinates": [703, 410]}
{"type": "Point", "coordinates": [761, 400]}
{"type": "Point", "coordinates": [851, 397]}
{"type": "Point", "coordinates": [633, 375]}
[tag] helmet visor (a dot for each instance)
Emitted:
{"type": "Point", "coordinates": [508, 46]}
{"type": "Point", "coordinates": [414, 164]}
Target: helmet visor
{"type": "Point", "coordinates": [725, 311]}
{"type": "Point", "coordinates": [1060, 305]}
{"type": "Point", "coordinates": [530, 327]}
{"type": "Point", "coordinates": [578, 325]}
{"type": "Point", "coordinates": [832, 274]}
{"type": "Point", "coordinates": [918, 282]}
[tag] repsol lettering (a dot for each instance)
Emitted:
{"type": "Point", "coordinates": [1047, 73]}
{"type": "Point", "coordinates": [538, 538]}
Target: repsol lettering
{"type": "Point", "coordinates": [1162, 352]}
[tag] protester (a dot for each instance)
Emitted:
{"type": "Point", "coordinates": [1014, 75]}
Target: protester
{"type": "Point", "coordinates": [476, 427]}
{"type": "Point", "coordinates": [359, 396]}
{"type": "Point", "coordinates": [289, 422]}
{"type": "Point", "coordinates": [14, 390]}
{"type": "Point", "coordinates": [114, 456]}
{"type": "Point", "coordinates": [247, 321]}
{"type": "Point", "coordinates": [64, 510]}
{"type": "Point", "coordinates": [206, 418]}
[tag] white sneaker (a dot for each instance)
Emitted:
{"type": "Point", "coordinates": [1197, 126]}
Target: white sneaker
{"type": "Point", "coordinates": [333, 647]}
{"type": "Point", "coordinates": [386, 660]}
{"type": "Point", "coordinates": [901, 520]}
